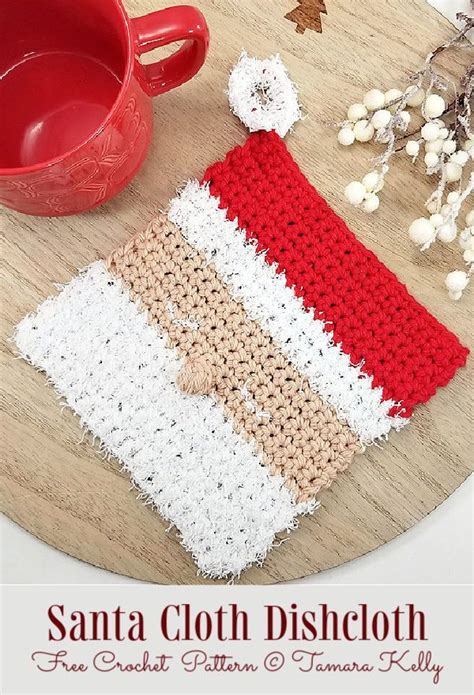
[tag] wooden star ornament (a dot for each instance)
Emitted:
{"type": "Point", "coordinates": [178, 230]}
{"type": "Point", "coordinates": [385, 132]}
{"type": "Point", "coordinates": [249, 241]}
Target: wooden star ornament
{"type": "Point", "coordinates": [308, 15]}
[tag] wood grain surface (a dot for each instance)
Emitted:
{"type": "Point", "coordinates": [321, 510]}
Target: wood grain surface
{"type": "Point", "coordinates": [56, 484]}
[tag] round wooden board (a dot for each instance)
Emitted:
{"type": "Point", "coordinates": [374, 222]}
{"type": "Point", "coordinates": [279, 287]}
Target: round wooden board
{"type": "Point", "coordinates": [56, 484]}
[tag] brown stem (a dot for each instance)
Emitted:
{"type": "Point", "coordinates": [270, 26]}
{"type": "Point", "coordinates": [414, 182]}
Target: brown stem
{"type": "Point", "coordinates": [469, 24]}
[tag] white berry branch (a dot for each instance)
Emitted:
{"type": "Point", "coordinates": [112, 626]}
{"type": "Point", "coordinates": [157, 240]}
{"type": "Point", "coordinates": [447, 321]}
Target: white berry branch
{"type": "Point", "coordinates": [445, 140]}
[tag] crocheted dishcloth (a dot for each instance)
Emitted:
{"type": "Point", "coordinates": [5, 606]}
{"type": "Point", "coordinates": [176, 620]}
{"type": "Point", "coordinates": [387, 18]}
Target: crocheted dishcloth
{"type": "Point", "coordinates": [236, 355]}
{"type": "Point", "coordinates": [299, 437]}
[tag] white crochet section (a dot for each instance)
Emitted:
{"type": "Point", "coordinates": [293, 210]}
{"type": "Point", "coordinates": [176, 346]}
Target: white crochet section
{"type": "Point", "coordinates": [262, 95]}
{"type": "Point", "coordinates": [117, 374]}
{"type": "Point", "coordinates": [299, 333]}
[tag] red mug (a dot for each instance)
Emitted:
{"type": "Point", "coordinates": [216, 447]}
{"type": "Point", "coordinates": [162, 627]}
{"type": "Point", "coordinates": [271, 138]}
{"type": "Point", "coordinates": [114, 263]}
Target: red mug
{"type": "Point", "coordinates": [75, 101]}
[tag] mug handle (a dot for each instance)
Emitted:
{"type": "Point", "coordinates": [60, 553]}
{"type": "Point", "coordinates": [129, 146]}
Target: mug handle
{"type": "Point", "coordinates": [181, 23]}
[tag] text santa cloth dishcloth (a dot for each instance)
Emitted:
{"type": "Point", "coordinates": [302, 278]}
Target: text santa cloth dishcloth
{"type": "Point", "coordinates": [236, 355]}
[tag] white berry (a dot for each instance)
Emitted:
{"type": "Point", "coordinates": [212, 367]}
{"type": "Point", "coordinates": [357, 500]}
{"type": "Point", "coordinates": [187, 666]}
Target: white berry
{"type": "Point", "coordinates": [452, 197]}
{"type": "Point", "coordinates": [371, 202]}
{"type": "Point", "coordinates": [434, 146]}
{"type": "Point", "coordinates": [371, 180]}
{"type": "Point", "coordinates": [468, 256]}
{"type": "Point", "coordinates": [346, 136]}
{"type": "Point", "coordinates": [455, 295]}
{"type": "Point", "coordinates": [447, 233]}
{"type": "Point", "coordinates": [416, 96]}
{"type": "Point", "coordinates": [355, 192]}
{"type": "Point", "coordinates": [412, 148]}
{"type": "Point", "coordinates": [356, 112]}
{"type": "Point", "coordinates": [363, 131]}
{"type": "Point", "coordinates": [466, 239]}
{"type": "Point", "coordinates": [392, 95]}
{"type": "Point", "coordinates": [430, 132]}
{"type": "Point", "coordinates": [470, 219]}
{"type": "Point", "coordinates": [453, 172]}
{"type": "Point", "coordinates": [432, 206]}
{"type": "Point", "coordinates": [436, 219]}
{"type": "Point", "coordinates": [434, 106]}
{"type": "Point", "coordinates": [449, 146]}
{"type": "Point", "coordinates": [406, 118]}
{"type": "Point", "coordinates": [374, 99]}
{"type": "Point", "coordinates": [381, 119]}
{"type": "Point", "coordinates": [468, 145]}
{"type": "Point", "coordinates": [431, 159]}
{"type": "Point", "coordinates": [460, 157]}
{"type": "Point", "coordinates": [456, 281]}
{"type": "Point", "coordinates": [443, 133]}
{"type": "Point", "coordinates": [421, 231]}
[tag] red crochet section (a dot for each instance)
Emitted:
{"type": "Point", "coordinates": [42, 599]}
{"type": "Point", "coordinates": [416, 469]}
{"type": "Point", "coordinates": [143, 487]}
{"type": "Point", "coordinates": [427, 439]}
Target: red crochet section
{"type": "Point", "coordinates": [406, 350]}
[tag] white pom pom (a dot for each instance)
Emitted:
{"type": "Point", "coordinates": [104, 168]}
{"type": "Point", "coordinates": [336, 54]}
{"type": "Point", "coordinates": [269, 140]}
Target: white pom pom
{"type": "Point", "coordinates": [430, 131]}
{"type": "Point", "coordinates": [453, 172]}
{"type": "Point", "coordinates": [371, 181]}
{"type": "Point", "coordinates": [434, 106]}
{"type": "Point", "coordinates": [456, 281]}
{"type": "Point", "coordinates": [421, 231]}
{"type": "Point", "coordinates": [381, 119]}
{"type": "Point", "coordinates": [470, 219]}
{"type": "Point", "coordinates": [412, 148]}
{"type": "Point", "coordinates": [443, 133]}
{"type": "Point", "coordinates": [447, 233]}
{"type": "Point", "coordinates": [455, 295]}
{"type": "Point", "coordinates": [371, 202]}
{"type": "Point", "coordinates": [416, 96]}
{"type": "Point", "coordinates": [262, 95]}
{"type": "Point", "coordinates": [355, 192]}
{"type": "Point", "coordinates": [356, 112]}
{"type": "Point", "coordinates": [346, 136]}
{"type": "Point", "coordinates": [449, 146]}
{"type": "Point", "coordinates": [374, 99]}
{"type": "Point", "coordinates": [363, 131]}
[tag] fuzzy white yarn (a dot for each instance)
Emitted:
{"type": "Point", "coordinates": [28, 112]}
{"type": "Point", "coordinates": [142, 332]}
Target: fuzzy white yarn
{"type": "Point", "coordinates": [117, 374]}
{"type": "Point", "coordinates": [299, 333]}
{"type": "Point", "coordinates": [262, 95]}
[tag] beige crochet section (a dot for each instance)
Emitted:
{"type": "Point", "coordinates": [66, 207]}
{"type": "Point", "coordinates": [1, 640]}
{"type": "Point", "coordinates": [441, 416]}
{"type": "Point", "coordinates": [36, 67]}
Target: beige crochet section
{"type": "Point", "coordinates": [229, 355]}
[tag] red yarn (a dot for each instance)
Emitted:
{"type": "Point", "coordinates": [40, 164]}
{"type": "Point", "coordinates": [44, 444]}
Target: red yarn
{"type": "Point", "coordinates": [406, 350]}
